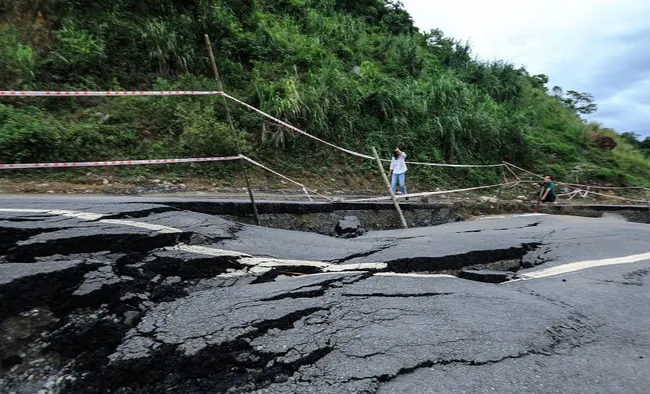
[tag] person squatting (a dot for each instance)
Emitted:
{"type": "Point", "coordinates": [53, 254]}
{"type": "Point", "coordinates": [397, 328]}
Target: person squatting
{"type": "Point", "coordinates": [547, 190]}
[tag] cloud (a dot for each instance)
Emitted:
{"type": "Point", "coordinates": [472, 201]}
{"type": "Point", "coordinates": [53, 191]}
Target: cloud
{"type": "Point", "coordinates": [624, 68]}
{"type": "Point", "coordinates": [596, 46]}
{"type": "Point", "coordinates": [628, 110]}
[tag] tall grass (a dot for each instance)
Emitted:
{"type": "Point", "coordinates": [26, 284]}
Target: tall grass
{"type": "Point", "coordinates": [355, 73]}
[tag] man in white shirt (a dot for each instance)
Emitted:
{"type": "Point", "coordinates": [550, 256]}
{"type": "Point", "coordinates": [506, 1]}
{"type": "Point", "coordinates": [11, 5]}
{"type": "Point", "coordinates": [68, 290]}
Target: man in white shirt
{"type": "Point", "coordinates": [398, 170]}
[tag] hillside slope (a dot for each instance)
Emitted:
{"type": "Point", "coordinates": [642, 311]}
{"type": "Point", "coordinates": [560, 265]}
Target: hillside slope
{"type": "Point", "coordinates": [355, 73]}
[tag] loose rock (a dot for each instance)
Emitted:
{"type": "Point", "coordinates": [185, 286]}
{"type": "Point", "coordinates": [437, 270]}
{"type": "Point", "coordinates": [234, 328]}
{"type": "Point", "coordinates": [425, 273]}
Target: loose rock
{"type": "Point", "coordinates": [349, 227]}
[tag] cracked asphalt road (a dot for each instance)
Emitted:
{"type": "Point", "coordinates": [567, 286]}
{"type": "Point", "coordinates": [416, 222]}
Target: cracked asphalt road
{"type": "Point", "coordinates": [144, 298]}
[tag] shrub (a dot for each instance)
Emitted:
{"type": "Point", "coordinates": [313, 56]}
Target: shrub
{"type": "Point", "coordinates": [17, 60]}
{"type": "Point", "coordinates": [28, 136]}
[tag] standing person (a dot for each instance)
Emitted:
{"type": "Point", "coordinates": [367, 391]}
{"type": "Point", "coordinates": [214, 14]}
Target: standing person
{"type": "Point", "coordinates": [547, 194]}
{"type": "Point", "coordinates": [398, 171]}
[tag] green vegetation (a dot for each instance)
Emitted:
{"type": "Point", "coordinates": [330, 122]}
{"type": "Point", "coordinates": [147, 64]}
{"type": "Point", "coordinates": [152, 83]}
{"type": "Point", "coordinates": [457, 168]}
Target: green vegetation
{"type": "Point", "coordinates": [355, 73]}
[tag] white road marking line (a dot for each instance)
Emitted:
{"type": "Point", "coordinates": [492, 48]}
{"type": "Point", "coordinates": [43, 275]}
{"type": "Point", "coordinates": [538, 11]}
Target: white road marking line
{"type": "Point", "coordinates": [207, 251]}
{"type": "Point", "coordinates": [22, 210]}
{"type": "Point", "coordinates": [78, 215]}
{"type": "Point", "coordinates": [71, 214]}
{"type": "Point", "coordinates": [356, 267]}
{"type": "Point", "coordinates": [269, 263]}
{"type": "Point", "coordinates": [266, 264]}
{"type": "Point", "coordinates": [90, 216]}
{"type": "Point", "coordinates": [256, 264]}
{"type": "Point", "coordinates": [416, 275]}
{"type": "Point", "coordinates": [522, 215]}
{"type": "Point", "coordinates": [144, 225]}
{"type": "Point", "coordinates": [582, 265]}
{"type": "Point", "coordinates": [273, 262]}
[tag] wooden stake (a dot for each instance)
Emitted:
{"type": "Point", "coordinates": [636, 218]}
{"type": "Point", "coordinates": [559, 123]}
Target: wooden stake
{"type": "Point", "coordinates": [500, 191]}
{"type": "Point", "coordinates": [647, 201]}
{"type": "Point", "coordinates": [390, 189]}
{"type": "Point", "coordinates": [232, 127]}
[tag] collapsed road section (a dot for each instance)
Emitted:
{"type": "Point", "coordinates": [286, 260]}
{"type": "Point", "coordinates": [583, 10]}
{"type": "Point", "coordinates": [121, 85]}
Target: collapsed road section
{"type": "Point", "coordinates": [146, 299]}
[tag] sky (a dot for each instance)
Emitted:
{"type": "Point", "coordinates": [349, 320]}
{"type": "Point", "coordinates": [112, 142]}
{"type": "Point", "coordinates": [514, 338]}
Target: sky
{"type": "Point", "coordinates": [596, 46]}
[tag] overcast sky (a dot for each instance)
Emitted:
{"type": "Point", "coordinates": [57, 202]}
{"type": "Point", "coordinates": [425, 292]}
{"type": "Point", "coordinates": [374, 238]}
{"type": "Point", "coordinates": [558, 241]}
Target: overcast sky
{"type": "Point", "coordinates": [596, 46]}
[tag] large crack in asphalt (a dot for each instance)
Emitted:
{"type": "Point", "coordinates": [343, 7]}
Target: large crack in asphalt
{"type": "Point", "coordinates": [89, 306]}
{"type": "Point", "coordinates": [27, 251]}
{"type": "Point", "coordinates": [10, 236]}
{"type": "Point", "coordinates": [507, 259]}
{"type": "Point", "coordinates": [139, 213]}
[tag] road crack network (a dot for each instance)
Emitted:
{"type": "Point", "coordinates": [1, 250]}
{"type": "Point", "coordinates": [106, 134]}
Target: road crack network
{"type": "Point", "coordinates": [148, 298]}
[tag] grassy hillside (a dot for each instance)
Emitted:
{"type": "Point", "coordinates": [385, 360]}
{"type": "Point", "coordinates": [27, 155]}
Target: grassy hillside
{"type": "Point", "coordinates": [355, 73]}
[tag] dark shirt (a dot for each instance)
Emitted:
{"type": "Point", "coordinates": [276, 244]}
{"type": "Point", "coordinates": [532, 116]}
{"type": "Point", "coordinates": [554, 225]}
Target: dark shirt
{"type": "Point", "coordinates": [550, 197]}
{"type": "Point", "coordinates": [550, 186]}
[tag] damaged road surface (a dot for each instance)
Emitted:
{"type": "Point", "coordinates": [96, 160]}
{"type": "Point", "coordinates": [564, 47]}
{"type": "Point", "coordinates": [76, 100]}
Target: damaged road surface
{"type": "Point", "coordinates": [144, 298]}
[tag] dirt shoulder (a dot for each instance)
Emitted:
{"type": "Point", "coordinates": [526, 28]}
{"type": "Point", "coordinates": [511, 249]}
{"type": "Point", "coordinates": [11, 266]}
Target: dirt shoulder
{"type": "Point", "coordinates": [193, 187]}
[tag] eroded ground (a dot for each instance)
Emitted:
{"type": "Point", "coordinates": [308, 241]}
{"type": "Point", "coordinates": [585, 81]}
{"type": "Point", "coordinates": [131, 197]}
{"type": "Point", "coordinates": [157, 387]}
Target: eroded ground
{"type": "Point", "coordinates": [145, 298]}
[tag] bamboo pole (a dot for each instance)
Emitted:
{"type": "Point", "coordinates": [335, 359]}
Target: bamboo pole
{"type": "Point", "coordinates": [390, 189]}
{"type": "Point", "coordinates": [500, 191]}
{"type": "Point", "coordinates": [647, 201]}
{"type": "Point", "coordinates": [215, 70]}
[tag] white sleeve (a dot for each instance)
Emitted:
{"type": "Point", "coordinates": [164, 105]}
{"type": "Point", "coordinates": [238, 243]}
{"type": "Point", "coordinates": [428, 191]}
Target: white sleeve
{"type": "Point", "coordinates": [392, 163]}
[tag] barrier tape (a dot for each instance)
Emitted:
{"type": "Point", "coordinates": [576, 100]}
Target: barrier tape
{"type": "Point", "coordinates": [521, 169]}
{"type": "Point", "coordinates": [304, 188]}
{"type": "Point", "coordinates": [510, 169]}
{"type": "Point", "coordinates": [293, 128]}
{"type": "Point", "coordinates": [20, 166]}
{"type": "Point", "coordinates": [449, 165]}
{"type": "Point", "coordinates": [70, 93]}
{"type": "Point", "coordinates": [425, 194]}
{"type": "Point", "coordinates": [575, 193]}
{"type": "Point", "coordinates": [576, 185]}
{"type": "Point", "coordinates": [154, 161]}
{"type": "Point", "coordinates": [351, 152]}
{"type": "Point", "coordinates": [584, 193]}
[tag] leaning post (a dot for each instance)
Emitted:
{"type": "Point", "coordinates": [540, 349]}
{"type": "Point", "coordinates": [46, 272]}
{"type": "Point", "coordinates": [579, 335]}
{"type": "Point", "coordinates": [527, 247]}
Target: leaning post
{"type": "Point", "coordinates": [500, 191]}
{"type": "Point", "coordinates": [390, 189]}
{"type": "Point", "coordinates": [647, 200]}
{"type": "Point", "coordinates": [215, 70]}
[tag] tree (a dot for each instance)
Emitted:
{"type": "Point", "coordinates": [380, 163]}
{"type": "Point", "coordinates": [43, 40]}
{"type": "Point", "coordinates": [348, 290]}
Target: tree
{"type": "Point", "coordinates": [632, 138]}
{"type": "Point", "coordinates": [581, 103]}
{"type": "Point", "coordinates": [433, 37]}
{"type": "Point", "coordinates": [397, 19]}
{"type": "Point", "coordinates": [539, 81]}
{"type": "Point", "coordinates": [645, 144]}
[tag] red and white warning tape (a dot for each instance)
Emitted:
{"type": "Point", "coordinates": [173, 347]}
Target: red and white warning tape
{"type": "Point", "coordinates": [70, 93]}
{"type": "Point", "coordinates": [20, 166]}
